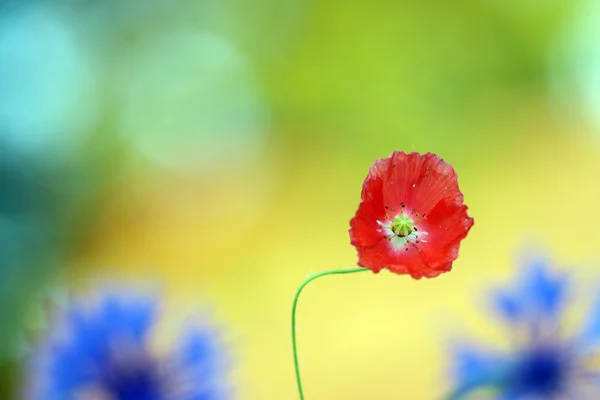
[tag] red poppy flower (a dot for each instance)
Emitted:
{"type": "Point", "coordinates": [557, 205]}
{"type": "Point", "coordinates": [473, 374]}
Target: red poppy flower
{"type": "Point", "coordinates": [411, 218]}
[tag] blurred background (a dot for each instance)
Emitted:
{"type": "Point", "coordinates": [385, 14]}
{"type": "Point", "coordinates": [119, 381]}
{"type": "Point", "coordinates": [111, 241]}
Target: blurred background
{"type": "Point", "coordinates": [218, 148]}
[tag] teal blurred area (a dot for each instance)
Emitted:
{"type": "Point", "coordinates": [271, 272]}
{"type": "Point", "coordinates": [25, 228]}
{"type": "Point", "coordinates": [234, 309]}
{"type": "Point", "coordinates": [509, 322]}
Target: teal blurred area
{"type": "Point", "coordinates": [219, 147]}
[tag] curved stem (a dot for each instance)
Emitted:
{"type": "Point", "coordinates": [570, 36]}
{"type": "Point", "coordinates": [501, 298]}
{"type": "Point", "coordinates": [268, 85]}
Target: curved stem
{"type": "Point", "coordinates": [306, 282]}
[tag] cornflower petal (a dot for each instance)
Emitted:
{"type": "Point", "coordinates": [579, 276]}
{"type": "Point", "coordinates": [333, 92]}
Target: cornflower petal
{"type": "Point", "coordinates": [590, 333]}
{"type": "Point", "coordinates": [543, 362]}
{"type": "Point", "coordinates": [105, 351]}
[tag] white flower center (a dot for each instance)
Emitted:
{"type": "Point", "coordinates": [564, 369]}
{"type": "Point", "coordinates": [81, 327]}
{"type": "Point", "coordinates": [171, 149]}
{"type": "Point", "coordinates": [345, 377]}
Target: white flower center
{"type": "Point", "coordinates": [401, 230]}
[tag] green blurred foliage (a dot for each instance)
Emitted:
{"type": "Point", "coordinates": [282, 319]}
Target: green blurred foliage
{"type": "Point", "coordinates": [339, 83]}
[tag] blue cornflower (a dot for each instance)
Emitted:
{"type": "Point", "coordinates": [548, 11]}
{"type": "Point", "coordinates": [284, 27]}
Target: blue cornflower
{"type": "Point", "coordinates": [103, 351]}
{"type": "Point", "coordinates": [544, 360]}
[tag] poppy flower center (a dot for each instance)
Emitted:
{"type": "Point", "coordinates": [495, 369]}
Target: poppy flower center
{"type": "Point", "coordinates": [401, 230]}
{"type": "Point", "coordinates": [402, 225]}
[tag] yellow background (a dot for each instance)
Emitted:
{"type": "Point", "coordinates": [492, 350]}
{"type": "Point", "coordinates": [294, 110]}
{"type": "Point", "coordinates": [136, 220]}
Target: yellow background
{"type": "Point", "coordinates": [489, 86]}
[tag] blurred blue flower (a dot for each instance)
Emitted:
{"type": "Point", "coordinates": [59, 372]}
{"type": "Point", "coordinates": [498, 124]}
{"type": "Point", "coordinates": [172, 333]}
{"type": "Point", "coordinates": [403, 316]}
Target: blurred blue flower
{"type": "Point", "coordinates": [105, 353]}
{"type": "Point", "coordinates": [543, 361]}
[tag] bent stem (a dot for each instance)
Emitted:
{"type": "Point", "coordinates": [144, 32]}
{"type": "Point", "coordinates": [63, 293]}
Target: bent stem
{"type": "Point", "coordinates": [306, 282]}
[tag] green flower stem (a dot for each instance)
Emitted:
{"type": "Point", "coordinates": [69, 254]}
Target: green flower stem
{"type": "Point", "coordinates": [306, 282]}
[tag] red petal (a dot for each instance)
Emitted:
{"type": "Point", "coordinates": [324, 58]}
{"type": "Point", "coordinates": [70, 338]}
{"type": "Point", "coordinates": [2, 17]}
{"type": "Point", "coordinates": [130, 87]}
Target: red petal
{"type": "Point", "coordinates": [429, 185]}
{"type": "Point", "coordinates": [400, 260]}
{"type": "Point", "coordinates": [437, 180]}
{"type": "Point", "coordinates": [447, 224]}
{"type": "Point", "coordinates": [365, 231]}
